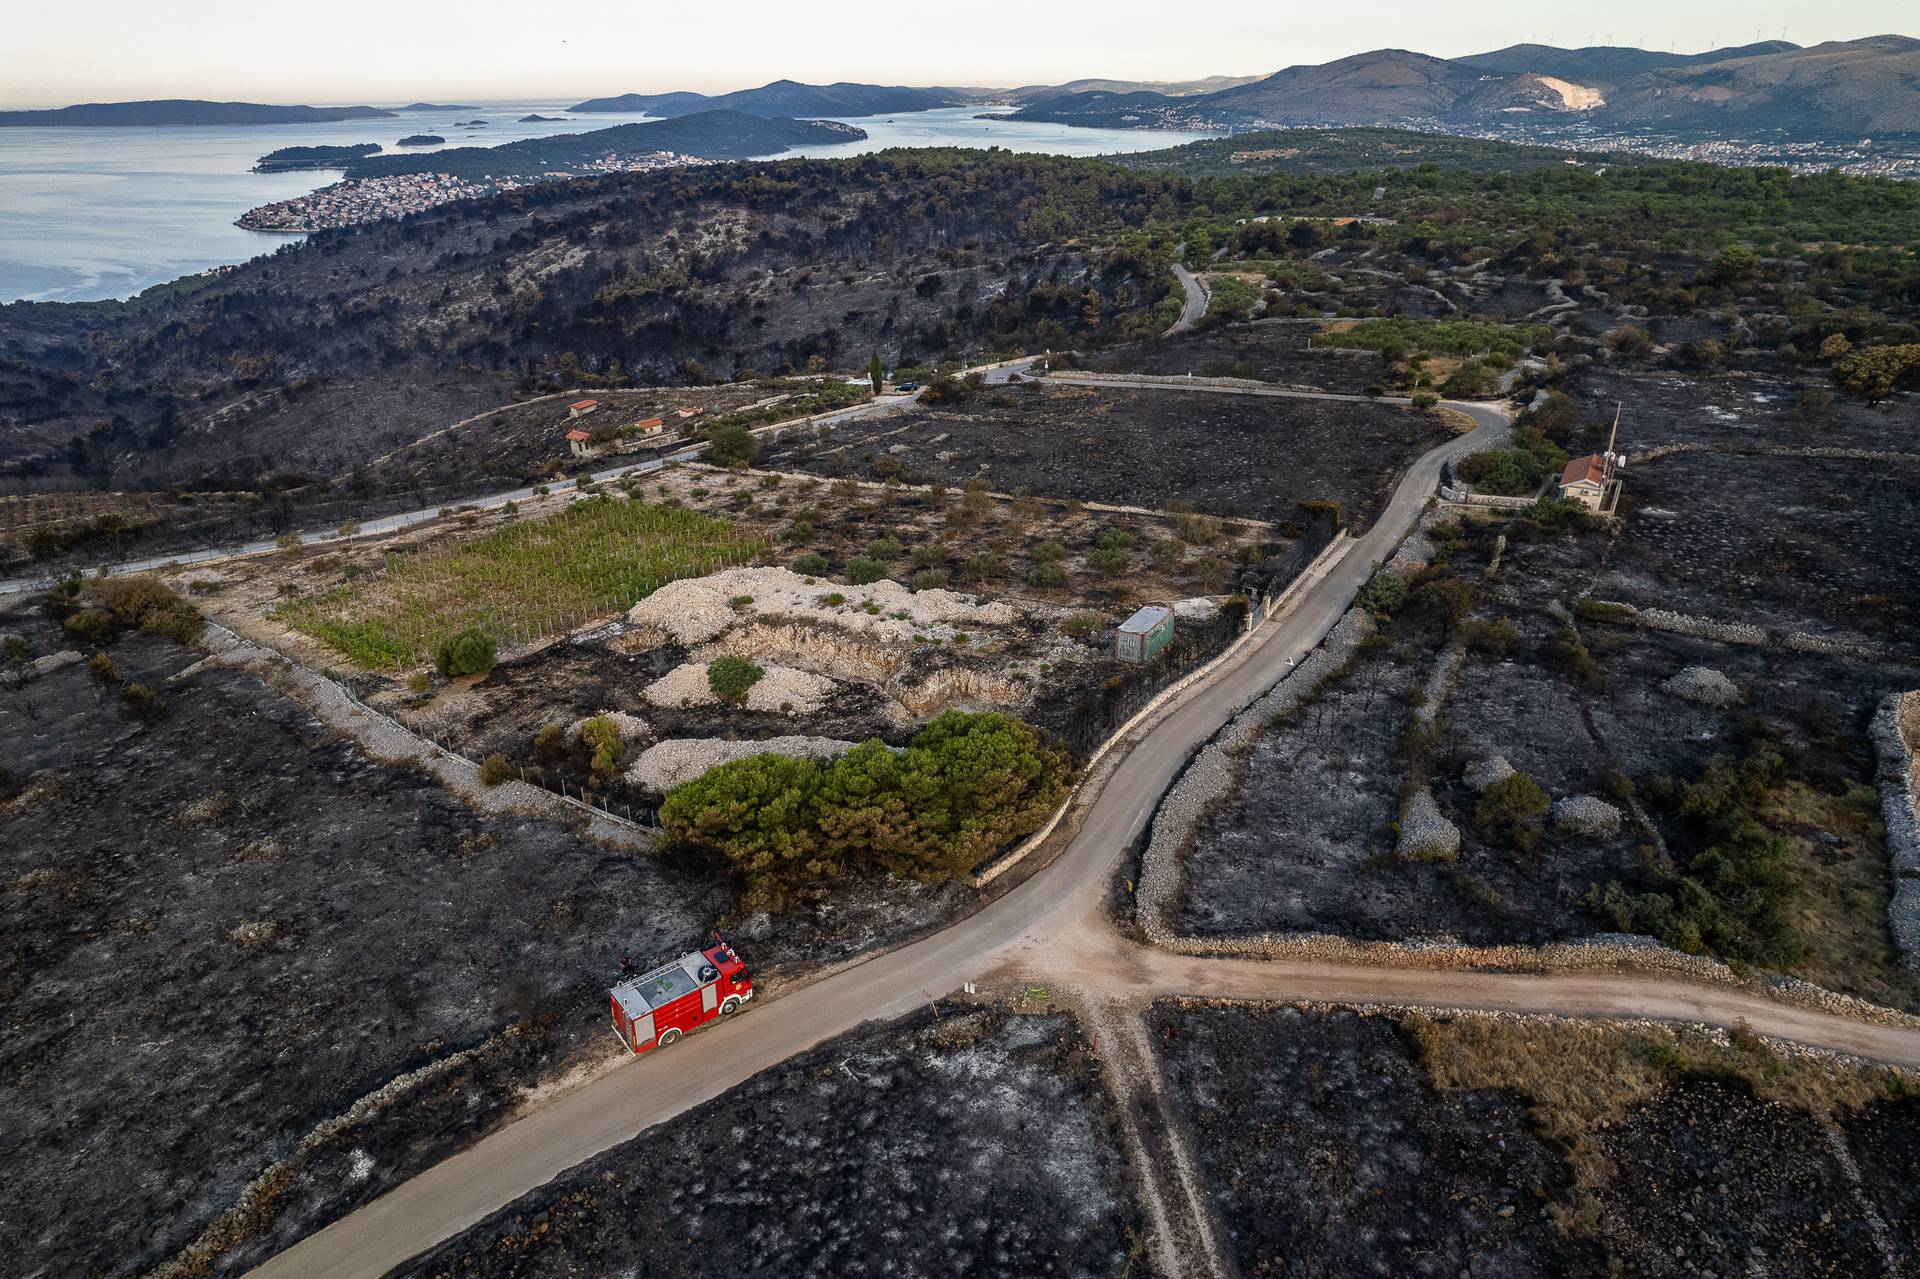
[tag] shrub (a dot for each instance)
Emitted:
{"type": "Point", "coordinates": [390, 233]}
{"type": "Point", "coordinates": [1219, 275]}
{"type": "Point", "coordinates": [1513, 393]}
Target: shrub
{"type": "Point", "coordinates": [1110, 562]}
{"type": "Point", "coordinates": [601, 737]}
{"type": "Point", "coordinates": [496, 769]}
{"type": "Point", "coordinates": [93, 625]}
{"type": "Point", "coordinates": [1425, 402]}
{"type": "Point", "coordinates": [550, 742]}
{"type": "Point", "coordinates": [885, 547]}
{"type": "Point", "coordinates": [864, 569]}
{"type": "Point", "coordinates": [143, 701]}
{"type": "Point", "coordinates": [1048, 553]}
{"type": "Point", "coordinates": [1384, 593]}
{"type": "Point", "coordinates": [104, 669]}
{"type": "Point", "coordinates": [149, 604]}
{"type": "Point", "coordinates": [419, 682]}
{"type": "Point", "coordinates": [1047, 575]}
{"type": "Point", "coordinates": [812, 564]}
{"type": "Point", "coordinates": [469, 652]}
{"type": "Point", "coordinates": [1081, 625]}
{"type": "Point", "coordinates": [731, 677]}
{"type": "Point", "coordinates": [1113, 539]}
{"type": "Point", "coordinates": [1567, 653]}
{"type": "Point", "coordinates": [1511, 811]}
{"type": "Point", "coordinates": [732, 444]}
{"type": "Point", "coordinates": [1498, 638]}
{"type": "Point", "coordinates": [929, 554]}
{"type": "Point", "coordinates": [928, 579]}
{"type": "Point", "coordinates": [984, 567]}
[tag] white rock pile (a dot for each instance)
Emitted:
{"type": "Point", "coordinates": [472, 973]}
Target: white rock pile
{"type": "Point", "coordinates": [1490, 771]}
{"type": "Point", "coordinates": [661, 768]}
{"type": "Point", "coordinates": [780, 689]}
{"type": "Point", "coordinates": [1586, 815]}
{"type": "Point", "coordinates": [1704, 685]}
{"type": "Point", "coordinates": [1425, 832]}
{"type": "Point", "coordinates": [699, 609]}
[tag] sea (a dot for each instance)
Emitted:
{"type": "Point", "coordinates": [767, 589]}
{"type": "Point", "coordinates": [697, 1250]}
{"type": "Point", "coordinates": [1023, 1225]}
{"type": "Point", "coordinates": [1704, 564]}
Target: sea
{"type": "Point", "coordinates": [89, 213]}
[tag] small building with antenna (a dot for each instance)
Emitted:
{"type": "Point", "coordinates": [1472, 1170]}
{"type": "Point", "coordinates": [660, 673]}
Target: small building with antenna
{"type": "Point", "coordinates": [1593, 481]}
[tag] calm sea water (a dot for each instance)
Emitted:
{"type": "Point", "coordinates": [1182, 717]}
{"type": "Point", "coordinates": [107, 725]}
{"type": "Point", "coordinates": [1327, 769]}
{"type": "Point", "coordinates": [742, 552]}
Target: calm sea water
{"type": "Point", "coordinates": [105, 213]}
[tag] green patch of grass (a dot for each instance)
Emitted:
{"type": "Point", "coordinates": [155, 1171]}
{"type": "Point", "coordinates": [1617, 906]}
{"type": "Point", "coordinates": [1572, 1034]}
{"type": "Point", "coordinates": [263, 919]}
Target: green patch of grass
{"type": "Point", "coordinates": [520, 582]}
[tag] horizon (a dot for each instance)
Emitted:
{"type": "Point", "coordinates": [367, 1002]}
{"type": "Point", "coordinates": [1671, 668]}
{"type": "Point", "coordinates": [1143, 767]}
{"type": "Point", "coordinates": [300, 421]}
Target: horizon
{"type": "Point", "coordinates": [218, 52]}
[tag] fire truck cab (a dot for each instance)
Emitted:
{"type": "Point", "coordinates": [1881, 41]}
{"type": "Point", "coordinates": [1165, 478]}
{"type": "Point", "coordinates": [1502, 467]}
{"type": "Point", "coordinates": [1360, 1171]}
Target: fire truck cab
{"type": "Point", "coordinates": [657, 1007]}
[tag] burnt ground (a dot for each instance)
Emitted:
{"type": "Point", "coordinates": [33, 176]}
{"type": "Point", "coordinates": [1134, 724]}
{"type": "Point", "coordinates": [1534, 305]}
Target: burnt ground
{"type": "Point", "coordinates": [1306, 844]}
{"type": "Point", "coordinates": [1331, 1152]}
{"type": "Point", "coordinates": [977, 1143]}
{"type": "Point", "coordinates": [1832, 548]}
{"type": "Point", "coordinates": [1274, 351]}
{"type": "Point", "coordinates": [1226, 454]}
{"type": "Point", "coordinates": [227, 926]}
{"type": "Point", "coordinates": [1761, 401]}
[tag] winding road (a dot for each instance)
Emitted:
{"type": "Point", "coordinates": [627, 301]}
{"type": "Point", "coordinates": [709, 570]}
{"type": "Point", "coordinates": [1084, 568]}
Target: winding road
{"type": "Point", "coordinates": [1051, 928]}
{"type": "Point", "coordinates": [1195, 305]}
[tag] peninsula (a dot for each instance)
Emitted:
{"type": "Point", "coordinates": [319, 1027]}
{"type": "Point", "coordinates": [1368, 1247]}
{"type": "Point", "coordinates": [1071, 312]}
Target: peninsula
{"type": "Point", "coordinates": [181, 112]}
{"type": "Point", "coordinates": [290, 159]}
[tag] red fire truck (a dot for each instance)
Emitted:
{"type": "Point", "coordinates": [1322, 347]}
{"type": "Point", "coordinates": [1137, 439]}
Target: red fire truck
{"type": "Point", "coordinates": [658, 1007]}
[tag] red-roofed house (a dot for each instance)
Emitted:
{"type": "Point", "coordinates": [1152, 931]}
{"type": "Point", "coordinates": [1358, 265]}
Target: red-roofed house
{"type": "Point", "coordinates": [580, 443]}
{"type": "Point", "coordinates": [650, 426]}
{"type": "Point", "coordinates": [580, 408]}
{"type": "Point", "coordinates": [686, 412]}
{"type": "Point", "coordinates": [1586, 481]}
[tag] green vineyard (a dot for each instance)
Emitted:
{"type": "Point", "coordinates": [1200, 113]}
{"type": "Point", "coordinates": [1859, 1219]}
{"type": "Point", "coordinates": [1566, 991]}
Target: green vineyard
{"type": "Point", "coordinates": [520, 583]}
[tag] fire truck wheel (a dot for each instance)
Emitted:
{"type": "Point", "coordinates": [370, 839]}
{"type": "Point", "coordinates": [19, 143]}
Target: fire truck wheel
{"type": "Point", "coordinates": [731, 1004]}
{"type": "Point", "coordinates": [668, 1036]}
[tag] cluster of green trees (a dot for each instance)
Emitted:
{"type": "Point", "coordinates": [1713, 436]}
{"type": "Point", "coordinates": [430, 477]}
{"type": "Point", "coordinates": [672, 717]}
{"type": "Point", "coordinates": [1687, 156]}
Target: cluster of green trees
{"type": "Point", "coordinates": [788, 829]}
{"type": "Point", "coordinates": [1518, 469]}
{"type": "Point", "coordinates": [1872, 372]}
{"type": "Point", "coordinates": [1734, 895]}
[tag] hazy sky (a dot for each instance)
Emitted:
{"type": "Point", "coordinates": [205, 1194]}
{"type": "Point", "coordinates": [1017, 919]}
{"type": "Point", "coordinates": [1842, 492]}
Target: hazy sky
{"type": "Point", "coordinates": [389, 51]}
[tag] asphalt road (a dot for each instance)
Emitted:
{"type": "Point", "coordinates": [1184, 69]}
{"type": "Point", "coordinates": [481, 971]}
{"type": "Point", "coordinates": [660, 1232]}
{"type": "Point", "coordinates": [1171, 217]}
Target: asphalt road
{"type": "Point", "coordinates": [1195, 305]}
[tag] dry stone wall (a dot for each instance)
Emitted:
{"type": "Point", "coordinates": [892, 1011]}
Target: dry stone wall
{"type": "Point", "coordinates": [1896, 727]}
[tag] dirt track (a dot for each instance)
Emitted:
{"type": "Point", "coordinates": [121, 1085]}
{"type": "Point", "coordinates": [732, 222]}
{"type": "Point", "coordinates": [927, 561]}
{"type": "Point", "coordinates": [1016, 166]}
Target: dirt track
{"type": "Point", "coordinates": [1052, 927]}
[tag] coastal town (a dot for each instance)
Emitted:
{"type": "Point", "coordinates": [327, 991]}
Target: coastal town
{"type": "Point", "coordinates": [354, 201]}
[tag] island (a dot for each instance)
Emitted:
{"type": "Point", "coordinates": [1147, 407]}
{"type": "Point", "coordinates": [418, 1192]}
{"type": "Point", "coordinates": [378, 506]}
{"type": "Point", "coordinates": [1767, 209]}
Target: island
{"type": "Point", "coordinates": [420, 140]}
{"type": "Point", "coordinates": [710, 135]}
{"type": "Point", "coordinates": [182, 112]}
{"type": "Point", "coordinates": [434, 106]}
{"type": "Point", "coordinates": [290, 159]}
{"type": "Point", "coordinates": [540, 119]}
{"type": "Point", "coordinates": [392, 186]}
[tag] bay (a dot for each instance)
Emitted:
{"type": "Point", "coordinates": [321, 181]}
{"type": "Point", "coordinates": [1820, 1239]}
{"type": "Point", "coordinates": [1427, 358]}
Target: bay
{"type": "Point", "coordinates": [91, 213]}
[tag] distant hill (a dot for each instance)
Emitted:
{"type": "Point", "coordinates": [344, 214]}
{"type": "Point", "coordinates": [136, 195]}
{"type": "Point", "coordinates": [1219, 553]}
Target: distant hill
{"type": "Point", "coordinates": [433, 106]}
{"type": "Point", "coordinates": [1843, 87]}
{"type": "Point", "coordinates": [1604, 65]}
{"type": "Point", "coordinates": [1168, 88]}
{"type": "Point", "coordinates": [1830, 90]}
{"type": "Point", "coordinates": [785, 99]}
{"type": "Point", "coordinates": [1380, 87]}
{"type": "Point", "coordinates": [711, 135]}
{"type": "Point", "coordinates": [1351, 150]}
{"type": "Point", "coordinates": [176, 112]}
